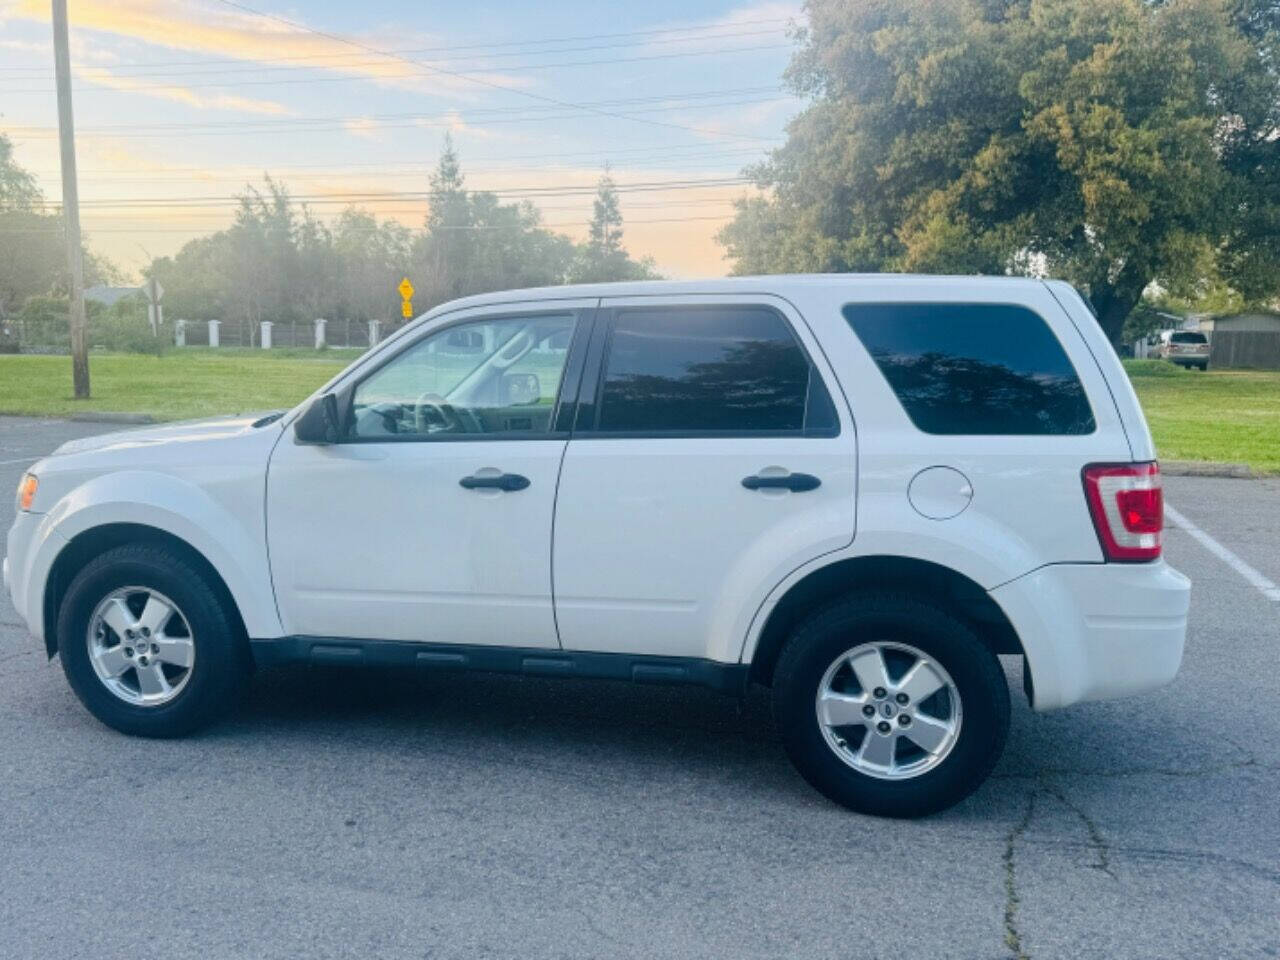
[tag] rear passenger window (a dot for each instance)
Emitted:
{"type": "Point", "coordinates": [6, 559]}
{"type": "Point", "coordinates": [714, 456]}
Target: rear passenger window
{"type": "Point", "coordinates": [710, 370]}
{"type": "Point", "coordinates": [974, 368]}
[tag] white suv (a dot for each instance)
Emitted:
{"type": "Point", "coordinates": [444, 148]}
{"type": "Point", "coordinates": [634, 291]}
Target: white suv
{"type": "Point", "coordinates": [854, 490]}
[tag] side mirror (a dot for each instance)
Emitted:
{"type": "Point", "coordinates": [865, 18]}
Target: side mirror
{"type": "Point", "coordinates": [520, 389]}
{"type": "Point", "coordinates": [319, 424]}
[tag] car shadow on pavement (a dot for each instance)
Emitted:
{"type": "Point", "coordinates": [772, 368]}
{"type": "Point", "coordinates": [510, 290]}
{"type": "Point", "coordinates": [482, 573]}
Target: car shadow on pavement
{"type": "Point", "coordinates": [626, 735]}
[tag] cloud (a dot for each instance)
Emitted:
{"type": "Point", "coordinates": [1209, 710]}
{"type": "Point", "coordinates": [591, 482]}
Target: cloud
{"type": "Point", "coordinates": [26, 46]}
{"type": "Point", "coordinates": [755, 22]}
{"type": "Point", "coordinates": [364, 127]}
{"type": "Point", "coordinates": [216, 101]}
{"type": "Point", "coordinates": [185, 25]}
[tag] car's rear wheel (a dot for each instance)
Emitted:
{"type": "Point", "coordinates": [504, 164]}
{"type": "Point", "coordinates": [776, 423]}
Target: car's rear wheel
{"type": "Point", "coordinates": [890, 706]}
{"type": "Point", "coordinates": [148, 645]}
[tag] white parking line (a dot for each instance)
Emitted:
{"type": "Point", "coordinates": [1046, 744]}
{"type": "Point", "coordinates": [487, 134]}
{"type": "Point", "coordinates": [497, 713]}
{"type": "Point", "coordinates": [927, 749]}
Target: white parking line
{"type": "Point", "coordinates": [1268, 588]}
{"type": "Point", "coordinates": [22, 460]}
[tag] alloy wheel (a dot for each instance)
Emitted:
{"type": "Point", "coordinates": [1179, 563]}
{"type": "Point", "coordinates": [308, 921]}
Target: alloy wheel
{"type": "Point", "coordinates": [141, 646]}
{"type": "Point", "coordinates": [888, 710]}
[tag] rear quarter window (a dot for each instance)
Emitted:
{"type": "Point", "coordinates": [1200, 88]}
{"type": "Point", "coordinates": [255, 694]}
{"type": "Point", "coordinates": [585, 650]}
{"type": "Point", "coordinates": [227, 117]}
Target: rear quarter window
{"type": "Point", "coordinates": [974, 368]}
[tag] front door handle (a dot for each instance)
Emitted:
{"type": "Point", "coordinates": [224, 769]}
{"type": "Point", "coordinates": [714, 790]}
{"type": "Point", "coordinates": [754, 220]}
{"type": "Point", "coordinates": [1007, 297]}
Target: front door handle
{"type": "Point", "coordinates": [509, 482]}
{"type": "Point", "coordinates": [796, 482]}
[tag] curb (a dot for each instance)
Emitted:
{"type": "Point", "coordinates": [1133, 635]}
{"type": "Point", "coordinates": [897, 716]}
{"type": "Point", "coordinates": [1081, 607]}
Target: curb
{"type": "Point", "coordinates": [1205, 468]}
{"type": "Point", "coordinates": [95, 416]}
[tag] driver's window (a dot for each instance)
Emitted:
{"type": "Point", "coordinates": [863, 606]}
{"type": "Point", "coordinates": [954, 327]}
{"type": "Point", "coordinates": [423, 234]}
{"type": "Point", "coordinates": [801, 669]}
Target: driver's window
{"type": "Point", "coordinates": [497, 376]}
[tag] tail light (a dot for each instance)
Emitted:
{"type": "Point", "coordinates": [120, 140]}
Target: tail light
{"type": "Point", "coordinates": [1127, 505]}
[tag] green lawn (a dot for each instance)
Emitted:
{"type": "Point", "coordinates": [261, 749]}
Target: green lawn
{"type": "Point", "coordinates": [194, 382]}
{"type": "Point", "coordinates": [1231, 415]}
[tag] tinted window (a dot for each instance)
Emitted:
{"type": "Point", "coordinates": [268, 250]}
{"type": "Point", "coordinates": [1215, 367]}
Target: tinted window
{"type": "Point", "coordinates": [729, 369]}
{"type": "Point", "coordinates": [1189, 338]}
{"type": "Point", "coordinates": [970, 368]}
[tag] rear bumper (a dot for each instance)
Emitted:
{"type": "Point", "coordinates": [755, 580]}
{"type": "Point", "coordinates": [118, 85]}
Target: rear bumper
{"type": "Point", "coordinates": [1098, 631]}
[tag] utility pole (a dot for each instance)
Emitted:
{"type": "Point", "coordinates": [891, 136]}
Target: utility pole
{"type": "Point", "coordinates": [70, 201]}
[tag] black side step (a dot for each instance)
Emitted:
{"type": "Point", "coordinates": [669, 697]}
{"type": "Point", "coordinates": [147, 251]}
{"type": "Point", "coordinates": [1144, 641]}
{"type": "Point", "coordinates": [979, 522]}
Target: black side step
{"type": "Point", "coordinates": [728, 678]}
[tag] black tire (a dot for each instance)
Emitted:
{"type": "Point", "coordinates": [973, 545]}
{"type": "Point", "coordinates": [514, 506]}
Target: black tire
{"type": "Point", "coordinates": [222, 663]}
{"type": "Point", "coordinates": [899, 618]}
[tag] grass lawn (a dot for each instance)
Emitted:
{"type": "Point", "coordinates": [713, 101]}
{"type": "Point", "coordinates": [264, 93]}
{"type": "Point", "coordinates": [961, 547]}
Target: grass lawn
{"type": "Point", "coordinates": [1231, 415]}
{"type": "Point", "coordinates": [194, 382]}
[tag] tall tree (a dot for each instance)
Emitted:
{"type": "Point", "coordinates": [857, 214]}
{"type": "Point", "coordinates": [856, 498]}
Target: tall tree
{"type": "Point", "coordinates": [445, 253]}
{"type": "Point", "coordinates": [605, 235]}
{"type": "Point", "coordinates": [1112, 142]}
{"type": "Point", "coordinates": [474, 243]}
{"type": "Point", "coordinates": [602, 257]}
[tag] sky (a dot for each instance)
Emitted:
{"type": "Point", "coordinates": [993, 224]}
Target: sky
{"type": "Point", "coordinates": [180, 103]}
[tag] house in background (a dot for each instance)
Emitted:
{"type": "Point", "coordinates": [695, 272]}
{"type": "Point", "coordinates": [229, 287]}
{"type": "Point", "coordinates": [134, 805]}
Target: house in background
{"type": "Point", "coordinates": [1244, 340]}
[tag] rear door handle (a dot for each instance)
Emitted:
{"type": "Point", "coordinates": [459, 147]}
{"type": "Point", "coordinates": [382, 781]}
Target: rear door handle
{"type": "Point", "coordinates": [797, 482]}
{"type": "Point", "coordinates": [509, 482]}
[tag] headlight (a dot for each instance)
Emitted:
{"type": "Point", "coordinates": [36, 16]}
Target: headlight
{"type": "Point", "coordinates": [27, 491]}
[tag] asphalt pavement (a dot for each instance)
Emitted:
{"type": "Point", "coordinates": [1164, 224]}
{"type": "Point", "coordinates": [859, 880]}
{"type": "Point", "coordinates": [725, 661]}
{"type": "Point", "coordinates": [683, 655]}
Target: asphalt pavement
{"type": "Point", "coordinates": [367, 814]}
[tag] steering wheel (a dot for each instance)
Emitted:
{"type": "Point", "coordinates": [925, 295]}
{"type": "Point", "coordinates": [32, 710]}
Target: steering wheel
{"type": "Point", "coordinates": [390, 414]}
{"type": "Point", "coordinates": [432, 413]}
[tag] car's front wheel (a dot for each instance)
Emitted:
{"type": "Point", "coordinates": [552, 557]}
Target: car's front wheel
{"type": "Point", "coordinates": [148, 645]}
{"type": "Point", "coordinates": [890, 706]}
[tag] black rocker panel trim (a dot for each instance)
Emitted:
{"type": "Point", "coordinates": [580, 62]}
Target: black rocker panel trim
{"type": "Point", "coordinates": [725, 677]}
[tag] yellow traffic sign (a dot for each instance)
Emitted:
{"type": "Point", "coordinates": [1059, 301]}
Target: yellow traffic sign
{"type": "Point", "coordinates": [406, 290]}
{"type": "Point", "coordinates": [406, 309]}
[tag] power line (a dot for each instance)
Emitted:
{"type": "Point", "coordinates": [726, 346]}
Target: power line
{"type": "Point", "coordinates": [344, 62]}
{"type": "Point", "coordinates": [556, 225]}
{"type": "Point", "coordinates": [385, 121]}
{"type": "Point", "coordinates": [380, 165]}
{"type": "Point", "coordinates": [217, 214]}
{"type": "Point", "coordinates": [238, 180]}
{"type": "Point", "coordinates": [353, 197]}
{"type": "Point", "coordinates": [699, 33]}
{"type": "Point", "coordinates": [477, 76]}
{"type": "Point", "coordinates": [481, 80]}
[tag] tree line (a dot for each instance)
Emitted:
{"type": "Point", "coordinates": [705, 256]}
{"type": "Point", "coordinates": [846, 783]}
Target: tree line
{"type": "Point", "coordinates": [278, 261]}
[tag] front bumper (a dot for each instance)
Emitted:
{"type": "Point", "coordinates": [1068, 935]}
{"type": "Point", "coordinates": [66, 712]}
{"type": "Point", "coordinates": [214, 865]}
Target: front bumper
{"type": "Point", "coordinates": [1098, 631]}
{"type": "Point", "coordinates": [20, 550]}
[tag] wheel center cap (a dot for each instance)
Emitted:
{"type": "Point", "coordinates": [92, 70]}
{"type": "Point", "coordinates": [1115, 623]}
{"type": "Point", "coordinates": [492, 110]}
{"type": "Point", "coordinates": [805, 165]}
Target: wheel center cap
{"type": "Point", "coordinates": [888, 709]}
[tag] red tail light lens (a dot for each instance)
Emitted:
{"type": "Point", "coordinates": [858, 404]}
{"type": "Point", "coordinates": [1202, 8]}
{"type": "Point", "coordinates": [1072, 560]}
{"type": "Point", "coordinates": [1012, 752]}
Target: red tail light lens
{"type": "Point", "coordinates": [1127, 505]}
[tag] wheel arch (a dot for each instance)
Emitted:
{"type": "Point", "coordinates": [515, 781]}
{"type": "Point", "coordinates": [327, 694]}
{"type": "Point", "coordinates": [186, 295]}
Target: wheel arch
{"type": "Point", "coordinates": [95, 541]}
{"type": "Point", "coordinates": [958, 594]}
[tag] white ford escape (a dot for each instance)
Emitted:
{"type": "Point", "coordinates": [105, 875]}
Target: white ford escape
{"type": "Point", "coordinates": [855, 490]}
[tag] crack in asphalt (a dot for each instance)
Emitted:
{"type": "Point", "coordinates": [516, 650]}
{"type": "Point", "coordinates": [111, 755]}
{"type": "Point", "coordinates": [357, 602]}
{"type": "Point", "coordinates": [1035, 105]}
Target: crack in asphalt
{"type": "Point", "coordinates": [1100, 846]}
{"type": "Point", "coordinates": [1096, 839]}
{"type": "Point", "coordinates": [1012, 935]}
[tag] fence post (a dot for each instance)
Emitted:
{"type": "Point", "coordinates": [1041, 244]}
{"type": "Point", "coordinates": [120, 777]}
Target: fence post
{"type": "Point", "coordinates": [213, 332]}
{"type": "Point", "coordinates": [266, 334]}
{"type": "Point", "coordinates": [179, 333]}
{"type": "Point", "coordinates": [373, 333]}
{"type": "Point", "coordinates": [320, 341]}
